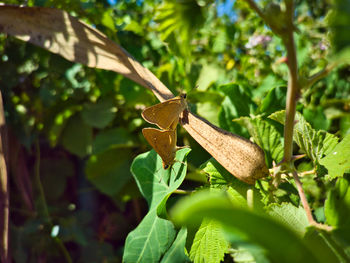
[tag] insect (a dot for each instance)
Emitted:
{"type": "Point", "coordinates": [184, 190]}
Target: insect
{"type": "Point", "coordinates": [164, 143]}
{"type": "Point", "coordinates": [166, 114]}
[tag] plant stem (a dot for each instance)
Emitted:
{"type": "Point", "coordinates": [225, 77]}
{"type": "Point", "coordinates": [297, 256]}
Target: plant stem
{"type": "Point", "coordinates": [45, 211]}
{"type": "Point", "coordinates": [293, 84]}
{"type": "Point", "coordinates": [306, 205]}
{"type": "Point", "coordinates": [250, 198]}
{"type": "Point", "coordinates": [182, 192]}
{"type": "Point", "coordinates": [292, 97]}
{"type": "Point", "coordinates": [303, 197]}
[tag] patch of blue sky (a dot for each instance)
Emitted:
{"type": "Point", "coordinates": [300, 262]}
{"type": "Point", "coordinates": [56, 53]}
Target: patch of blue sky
{"type": "Point", "coordinates": [112, 2]}
{"type": "Point", "coordinates": [226, 8]}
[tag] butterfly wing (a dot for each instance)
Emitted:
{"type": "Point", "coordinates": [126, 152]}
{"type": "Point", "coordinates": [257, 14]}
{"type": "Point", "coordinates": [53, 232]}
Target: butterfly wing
{"type": "Point", "coordinates": [166, 114]}
{"type": "Point", "coordinates": [163, 142]}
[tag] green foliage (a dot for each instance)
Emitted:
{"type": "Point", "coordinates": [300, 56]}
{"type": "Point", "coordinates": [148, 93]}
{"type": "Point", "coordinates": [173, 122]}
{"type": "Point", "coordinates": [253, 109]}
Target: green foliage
{"type": "Point", "coordinates": [77, 136]}
{"type": "Point", "coordinates": [156, 185]}
{"type": "Point", "coordinates": [209, 244]}
{"type": "Point", "coordinates": [314, 143]}
{"type": "Point", "coordinates": [237, 103]}
{"type": "Point", "coordinates": [82, 128]}
{"type": "Point", "coordinates": [338, 203]}
{"type": "Point", "coordinates": [339, 22]}
{"type": "Point", "coordinates": [337, 161]}
{"type": "Point", "coordinates": [256, 227]}
{"type": "Point", "coordinates": [176, 253]}
{"type": "Point", "coordinates": [266, 136]}
{"type": "Point", "coordinates": [99, 114]}
{"type": "Point", "coordinates": [293, 217]}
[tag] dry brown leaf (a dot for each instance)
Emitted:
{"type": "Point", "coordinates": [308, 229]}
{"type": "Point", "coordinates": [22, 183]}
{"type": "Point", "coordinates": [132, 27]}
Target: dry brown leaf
{"type": "Point", "coordinates": [60, 33]}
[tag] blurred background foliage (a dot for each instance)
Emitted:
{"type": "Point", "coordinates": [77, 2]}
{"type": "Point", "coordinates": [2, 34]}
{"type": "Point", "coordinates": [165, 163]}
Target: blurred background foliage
{"type": "Point", "coordinates": [74, 131]}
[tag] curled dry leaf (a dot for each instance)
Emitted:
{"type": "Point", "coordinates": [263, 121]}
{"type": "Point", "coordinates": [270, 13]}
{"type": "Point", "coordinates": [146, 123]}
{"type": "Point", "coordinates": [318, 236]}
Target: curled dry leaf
{"type": "Point", "coordinates": [60, 33]}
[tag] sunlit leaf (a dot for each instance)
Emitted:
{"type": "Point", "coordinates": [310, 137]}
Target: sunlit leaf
{"type": "Point", "coordinates": [154, 235]}
{"type": "Point", "coordinates": [266, 136]}
{"type": "Point", "coordinates": [176, 253]}
{"type": "Point", "coordinates": [337, 161]}
{"type": "Point", "coordinates": [314, 143]}
{"type": "Point", "coordinates": [209, 244]}
{"type": "Point", "coordinates": [293, 217]}
{"type": "Point", "coordinates": [257, 228]}
{"type": "Point", "coordinates": [77, 136]}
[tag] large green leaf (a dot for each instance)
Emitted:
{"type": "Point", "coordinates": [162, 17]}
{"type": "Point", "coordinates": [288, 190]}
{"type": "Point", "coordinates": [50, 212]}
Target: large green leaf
{"type": "Point", "coordinates": [77, 136]}
{"type": "Point", "coordinates": [237, 103]}
{"type": "Point", "coordinates": [266, 136]}
{"type": "Point", "coordinates": [209, 244]}
{"type": "Point", "coordinates": [176, 252]}
{"type": "Point", "coordinates": [338, 161]}
{"type": "Point", "coordinates": [274, 100]}
{"type": "Point", "coordinates": [109, 170]}
{"type": "Point", "coordinates": [112, 138]}
{"type": "Point", "coordinates": [154, 235]}
{"type": "Point", "coordinates": [339, 22]}
{"type": "Point", "coordinates": [221, 179]}
{"type": "Point", "coordinates": [282, 244]}
{"type": "Point", "coordinates": [337, 212]}
{"type": "Point", "coordinates": [337, 205]}
{"type": "Point", "coordinates": [177, 22]}
{"type": "Point", "coordinates": [294, 217]}
{"type": "Point", "coordinates": [314, 143]}
{"type": "Point", "coordinates": [99, 114]}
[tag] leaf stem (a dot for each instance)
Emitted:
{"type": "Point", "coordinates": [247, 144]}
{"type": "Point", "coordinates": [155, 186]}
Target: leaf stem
{"type": "Point", "coordinates": [250, 198]}
{"type": "Point", "coordinates": [182, 192]}
{"type": "Point", "coordinates": [293, 86]}
{"type": "Point", "coordinates": [319, 75]}
{"type": "Point", "coordinates": [306, 205]}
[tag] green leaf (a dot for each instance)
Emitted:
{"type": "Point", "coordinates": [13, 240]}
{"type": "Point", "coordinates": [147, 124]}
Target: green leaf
{"type": "Point", "coordinates": [112, 138]}
{"type": "Point", "coordinates": [281, 243]}
{"type": "Point", "coordinates": [339, 23]}
{"type": "Point", "coordinates": [219, 176]}
{"type": "Point", "coordinates": [99, 114]}
{"type": "Point", "coordinates": [345, 125]}
{"type": "Point", "coordinates": [246, 253]}
{"type": "Point", "coordinates": [269, 81]}
{"type": "Point", "coordinates": [77, 136]}
{"type": "Point", "coordinates": [293, 217]}
{"type": "Point", "coordinates": [317, 118]}
{"type": "Point", "coordinates": [109, 170]}
{"type": "Point", "coordinates": [237, 103]}
{"type": "Point", "coordinates": [209, 244]}
{"type": "Point", "coordinates": [54, 173]}
{"type": "Point", "coordinates": [266, 136]}
{"type": "Point", "coordinates": [314, 143]}
{"type": "Point", "coordinates": [107, 19]}
{"type": "Point", "coordinates": [338, 161]}
{"type": "Point", "coordinates": [176, 253]}
{"type": "Point", "coordinates": [210, 73]}
{"type": "Point", "coordinates": [176, 21]}
{"type": "Point", "coordinates": [337, 205]}
{"type": "Point", "coordinates": [274, 100]}
{"type": "Point", "coordinates": [154, 235]}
